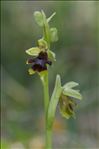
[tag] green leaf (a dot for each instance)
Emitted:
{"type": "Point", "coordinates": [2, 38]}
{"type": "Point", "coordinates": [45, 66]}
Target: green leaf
{"type": "Point", "coordinates": [54, 101]}
{"type": "Point", "coordinates": [72, 93]}
{"type": "Point", "coordinates": [33, 51]}
{"type": "Point", "coordinates": [42, 44]}
{"type": "Point", "coordinates": [53, 34]}
{"type": "Point", "coordinates": [70, 85]}
{"type": "Point", "coordinates": [38, 18]}
{"type": "Point", "coordinates": [49, 19]}
{"type": "Point", "coordinates": [31, 71]}
{"type": "Point", "coordinates": [51, 55]}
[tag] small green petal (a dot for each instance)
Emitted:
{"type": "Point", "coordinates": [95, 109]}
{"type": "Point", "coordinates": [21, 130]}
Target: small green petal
{"type": "Point", "coordinates": [49, 19]}
{"type": "Point", "coordinates": [51, 55]}
{"type": "Point", "coordinates": [33, 51]}
{"type": "Point", "coordinates": [42, 44]}
{"type": "Point", "coordinates": [31, 71]}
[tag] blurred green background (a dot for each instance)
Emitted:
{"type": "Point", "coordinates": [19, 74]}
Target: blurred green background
{"type": "Point", "coordinates": [77, 60]}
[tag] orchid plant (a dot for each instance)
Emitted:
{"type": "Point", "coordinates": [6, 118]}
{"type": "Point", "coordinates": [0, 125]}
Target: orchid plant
{"type": "Point", "coordinates": [41, 58]}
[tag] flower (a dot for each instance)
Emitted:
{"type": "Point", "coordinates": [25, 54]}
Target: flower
{"type": "Point", "coordinates": [42, 57]}
{"type": "Point", "coordinates": [67, 103]}
{"type": "Point", "coordinates": [40, 62]}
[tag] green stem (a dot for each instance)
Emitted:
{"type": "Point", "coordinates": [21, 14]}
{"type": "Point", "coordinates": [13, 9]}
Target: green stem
{"type": "Point", "coordinates": [46, 35]}
{"type": "Point", "coordinates": [46, 94]}
{"type": "Point", "coordinates": [46, 30]}
{"type": "Point", "coordinates": [48, 140]}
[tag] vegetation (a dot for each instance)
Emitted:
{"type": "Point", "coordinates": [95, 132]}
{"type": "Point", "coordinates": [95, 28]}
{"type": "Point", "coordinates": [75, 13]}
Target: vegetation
{"type": "Point", "coordinates": [76, 59]}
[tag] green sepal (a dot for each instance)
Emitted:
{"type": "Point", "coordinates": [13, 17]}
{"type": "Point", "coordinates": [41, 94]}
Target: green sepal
{"type": "Point", "coordinates": [51, 55]}
{"type": "Point", "coordinates": [39, 18]}
{"type": "Point", "coordinates": [49, 19]}
{"type": "Point", "coordinates": [31, 71]}
{"type": "Point", "coordinates": [53, 34]}
{"type": "Point", "coordinates": [70, 84]}
{"type": "Point", "coordinates": [72, 93]}
{"type": "Point", "coordinates": [33, 51]}
{"type": "Point", "coordinates": [68, 91]}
